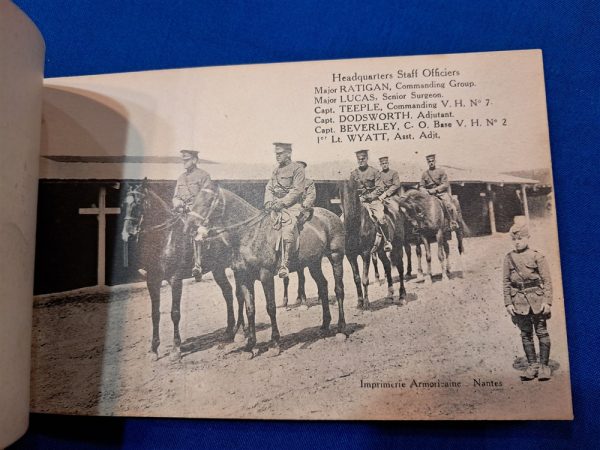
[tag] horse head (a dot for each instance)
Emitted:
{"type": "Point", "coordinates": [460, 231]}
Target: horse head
{"type": "Point", "coordinates": [134, 211]}
{"type": "Point", "coordinates": [412, 204]}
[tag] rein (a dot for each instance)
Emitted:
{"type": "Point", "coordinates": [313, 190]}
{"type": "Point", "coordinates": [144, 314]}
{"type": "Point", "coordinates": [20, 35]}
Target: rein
{"type": "Point", "coordinates": [218, 231]}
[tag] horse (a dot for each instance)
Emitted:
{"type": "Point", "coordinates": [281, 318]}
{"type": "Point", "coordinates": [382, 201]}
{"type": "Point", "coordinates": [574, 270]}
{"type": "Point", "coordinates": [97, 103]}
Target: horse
{"type": "Point", "coordinates": [166, 253]}
{"type": "Point", "coordinates": [253, 240]}
{"type": "Point", "coordinates": [426, 216]}
{"type": "Point", "coordinates": [301, 298]}
{"type": "Point", "coordinates": [361, 233]}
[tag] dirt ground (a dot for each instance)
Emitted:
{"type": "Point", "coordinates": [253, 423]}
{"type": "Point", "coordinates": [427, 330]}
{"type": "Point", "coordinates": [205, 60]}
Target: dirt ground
{"type": "Point", "coordinates": [90, 352]}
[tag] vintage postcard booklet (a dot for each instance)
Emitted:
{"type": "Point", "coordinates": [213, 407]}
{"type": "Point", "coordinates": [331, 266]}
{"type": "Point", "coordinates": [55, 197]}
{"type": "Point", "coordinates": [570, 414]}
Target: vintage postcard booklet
{"type": "Point", "coordinates": [350, 239]}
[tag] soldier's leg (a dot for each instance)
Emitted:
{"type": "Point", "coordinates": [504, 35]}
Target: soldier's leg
{"type": "Point", "coordinates": [539, 323]}
{"type": "Point", "coordinates": [525, 324]}
{"type": "Point", "coordinates": [449, 204]}
{"type": "Point", "coordinates": [289, 236]}
{"type": "Point", "coordinates": [379, 213]}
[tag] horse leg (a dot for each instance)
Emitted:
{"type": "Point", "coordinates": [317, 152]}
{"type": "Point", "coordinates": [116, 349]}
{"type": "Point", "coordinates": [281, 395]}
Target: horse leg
{"type": "Point", "coordinates": [441, 254]}
{"type": "Point", "coordinates": [459, 240]}
{"type": "Point", "coordinates": [247, 291]}
{"type": "Point", "coordinates": [176, 288]}
{"type": "Point", "coordinates": [268, 284]}
{"type": "Point", "coordinates": [301, 292]}
{"type": "Point", "coordinates": [387, 268]}
{"type": "Point", "coordinates": [286, 284]}
{"type": "Point", "coordinates": [408, 259]}
{"type": "Point", "coordinates": [419, 253]}
{"type": "Point", "coordinates": [337, 263]}
{"type": "Point", "coordinates": [225, 285]}
{"type": "Point", "coordinates": [317, 273]}
{"type": "Point", "coordinates": [376, 267]}
{"type": "Point", "coordinates": [447, 254]}
{"type": "Point", "coordinates": [397, 260]}
{"type": "Point", "coordinates": [353, 260]}
{"type": "Point", "coordinates": [427, 246]}
{"type": "Point", "coordinates": [153, 283]}
{"type": "Point", "coordinates": [365, 279]}
{"type": "Point", "coordinates": [240, 320]}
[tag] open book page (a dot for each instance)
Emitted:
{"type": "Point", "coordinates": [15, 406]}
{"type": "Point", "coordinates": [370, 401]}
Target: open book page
{"type": "Point", "coordinates": [138, 310]}
{"type": "Point", "coordinates": [21, 72]}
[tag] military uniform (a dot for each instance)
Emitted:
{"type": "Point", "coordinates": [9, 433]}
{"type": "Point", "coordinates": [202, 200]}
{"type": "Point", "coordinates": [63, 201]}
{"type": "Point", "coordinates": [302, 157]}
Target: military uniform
{"type": "Point", "coordinates": [310, 194]}
{"type": "Point", "coordinates": [370, 187]}
{"type": "Point", "coordinates": [190, 183]}
{"type": "Point", "coordinates": [391, 182]}
{"type": "Point", "coordinates": [437, 180]}
{"type": "Point", "coordinates": [527, 286]}
{"type": "Point", "coordinates": [287, 186]}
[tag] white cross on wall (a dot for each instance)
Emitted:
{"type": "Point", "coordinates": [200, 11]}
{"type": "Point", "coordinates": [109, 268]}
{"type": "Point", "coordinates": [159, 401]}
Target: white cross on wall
{"type": "Point", "coordinates": [101, 211]}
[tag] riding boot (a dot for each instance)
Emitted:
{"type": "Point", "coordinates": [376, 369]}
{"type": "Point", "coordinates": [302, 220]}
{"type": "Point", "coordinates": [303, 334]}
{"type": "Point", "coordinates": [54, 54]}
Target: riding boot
{"type": "Point", "coordinates": [387, 245]}
{"type": "Point", "coordinates": [284, 271]}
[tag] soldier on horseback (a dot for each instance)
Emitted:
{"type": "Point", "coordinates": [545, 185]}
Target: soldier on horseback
{"type": "Point", "coordinates": [189, 184]}
{"type": "Point", "coordinates": [389, 178]}
{"type": "Point", "coordinates": [370, 191]}
{"type": "Point", "coordinates": [283, 197]}
{"type": "Point", "coordinates": [435, 182]}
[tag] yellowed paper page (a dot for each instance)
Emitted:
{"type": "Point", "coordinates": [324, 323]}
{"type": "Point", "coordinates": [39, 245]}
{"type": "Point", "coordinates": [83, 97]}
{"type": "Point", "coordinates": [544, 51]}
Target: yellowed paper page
{"type": "Point", "coordinates": [437, 343]}
{"type": "Point", "coordinates": [21, 73]}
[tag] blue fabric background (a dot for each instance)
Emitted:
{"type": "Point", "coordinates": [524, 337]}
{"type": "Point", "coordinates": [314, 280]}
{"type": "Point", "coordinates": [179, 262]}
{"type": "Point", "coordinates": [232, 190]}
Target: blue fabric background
{"type": "Point", "coordinates": [88, 37]}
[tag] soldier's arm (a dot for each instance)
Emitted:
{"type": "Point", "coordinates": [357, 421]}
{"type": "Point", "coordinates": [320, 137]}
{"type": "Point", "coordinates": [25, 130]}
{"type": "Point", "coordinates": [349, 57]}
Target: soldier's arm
{"type": "Point", "coordinates": [269, 192]}
{"type": "Point", "coordinates": [311, 195]}
{"type": "Point", "coordinates": [545, 277]}
{"type": "Point", "coordinates": [506, 282]}
{"type": "Point", "coordinates": [379, 186]}
{"type": "Point", "coordinates": [297, 189]}
{"type": "Point", "coordinates": [444, 184]}
{"type": "Point", "coordinates": [177, 198]}
{"type": "Point", "coordinates": [424, 180]}
{"type": "Point", "coordinates": [394, 187]}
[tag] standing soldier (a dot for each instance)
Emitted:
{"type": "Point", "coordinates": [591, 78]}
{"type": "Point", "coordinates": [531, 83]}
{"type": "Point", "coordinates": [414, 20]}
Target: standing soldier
{"type": "Point", "coordinates": [370, 188]}
{"type": "Point", "coordinates": [283, 196]}
{"type": "Point", "coordinates": [189, 185]}
{"type": "Point", "coordinates": [389, 178]}
{"type": "Point", "coordinates": [435, 182]}
{"type": "Point", "coordinates": [528, 298]}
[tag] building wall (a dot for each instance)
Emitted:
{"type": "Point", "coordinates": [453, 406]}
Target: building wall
{"type": "Point", "coordinates": [66, 253]}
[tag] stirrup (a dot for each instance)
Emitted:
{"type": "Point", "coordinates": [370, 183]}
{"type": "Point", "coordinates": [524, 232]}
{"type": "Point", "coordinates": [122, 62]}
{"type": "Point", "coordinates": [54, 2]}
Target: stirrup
{"type": "Point", "coordinates": [387, 246]}
{"type": "Point", "coordinates": [197, 274]}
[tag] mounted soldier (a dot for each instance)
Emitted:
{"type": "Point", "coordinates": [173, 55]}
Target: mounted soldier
{"type": "Point", "coordinates": [283, 197]}
{"type": "Point", "coordinates": [370, 189]}
{"type": "Point", "coordinates": [435, 181]}
{"type": "Point", "coordinates": [189, 184]}
{"type": "Point", "coordinates": [389, 178]}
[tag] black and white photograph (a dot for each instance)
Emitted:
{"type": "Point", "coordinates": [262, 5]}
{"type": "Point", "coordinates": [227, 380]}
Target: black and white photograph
{"type": "Point", "coordinates": [360, 239]}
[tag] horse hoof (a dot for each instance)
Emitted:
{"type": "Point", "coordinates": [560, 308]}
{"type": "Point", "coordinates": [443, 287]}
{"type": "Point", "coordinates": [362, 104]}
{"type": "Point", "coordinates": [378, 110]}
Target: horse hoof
{"type": "Point", "coordinates": [273, 351]}
{"type": "Point", "coordinates": [428, 281]}
{"type": "Point", "coordinates": [340, 337]}
{"type": "Point", "coordinates": [303, 308]}
{"type": "Point", "coordinates": [175, 355]}
{"type": "Point", "coordinates": [249, 354]}
{"type": "Point", "coordinates": [153, 356]}
{"type": "Point", "coordinates": [390, 293]}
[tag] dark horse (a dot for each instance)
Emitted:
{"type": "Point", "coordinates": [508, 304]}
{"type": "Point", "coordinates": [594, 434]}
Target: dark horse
{"type": "Point", "coordinates": [252, 239]}
{"type": "Point", "coordinates": [166, 253]}
{"type": "Point", "coordinates": [426, 215]}
{"type": "Point", "coordinates": [361, 233]}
